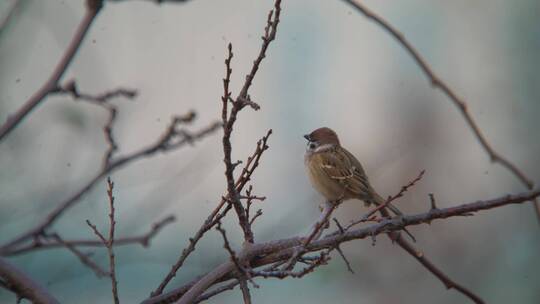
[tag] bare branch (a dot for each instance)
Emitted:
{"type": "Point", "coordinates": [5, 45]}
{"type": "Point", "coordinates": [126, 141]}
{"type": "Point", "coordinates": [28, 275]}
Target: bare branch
{"type": "Point", "coordinates": [241, 101]}
{"type": "Point", "coordinates": [260, 254]}
{"type": "Point", "coordinates": [171, 139]}
{"type": "Point", "coordinates": [404, 189]}
{"type": "Point", "coordinates": [251, 164]}
{"type": "Point", "coordinates": [101, 100]}
{"type": "Point", "coordinates": [243, 274]}
{"type": "Point", "coordinates": [23, 285]}
{"type": "Point", "coordinates": [217, 291]}
{"type": "Point", "coordinates": [445, 279]}
{"type": "Point", "coordinates": [109, 243]}
{"type": "Point", "coordinates": [269, 35]}
{"type": "Point", "coordinates": [313, 234]}
{"type": "Point", "coordinates": [92, 9]}
{"type": "Point", "coordinates": [437, 82]}
{"type": "Point", "coordinates": [46, 243]}
{"type": "Point", "coordinates": [71, 88]}
{"type": "Point", "coordinates": [432, 201]}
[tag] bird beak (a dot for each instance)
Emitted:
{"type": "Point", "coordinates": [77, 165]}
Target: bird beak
{"type": "Point", "coordinates": [307, 137]}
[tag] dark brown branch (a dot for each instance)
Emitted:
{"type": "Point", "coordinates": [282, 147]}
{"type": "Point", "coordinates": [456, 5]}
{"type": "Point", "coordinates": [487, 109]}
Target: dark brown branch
{"type": "Point", "coordinates": [233, 197]}
{"type": "Point", "coordinates": [404, 189]}
{"type": "Point", "coordinates": [46, 243]}
{"type": "Point", "coordinates": [313, 234]}
{"type": "Point", "coordinates": [243, 274]}
{"type": "Point", "coordinates": [71, 88]}
{"type": "Point", "coordinates": [260, 254]}
{"type": "Point", "coordinates": [217, 291]}
{"type": "Point", "coordinates": [171, 139]}
{"type": "Point", "coordinates": [432, 201]}
{"type": "Point", "coordinates": [241, 101]}
{"type": "Point", "coordinates": [347, 263]}
{"type": "Point", "coordinates": [437, 82]}
{"type": "Point", "coordinates": [25, 287]}
{"type": "Point", "coordinates": [92, 9]}
{"type": "Point", "coordinates": [445, 279]}
{"type": "Point", "coordinates": [251, 164]}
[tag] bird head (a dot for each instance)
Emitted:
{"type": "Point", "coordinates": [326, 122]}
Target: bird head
{"type": "Point", "coordinates": [321, 139]}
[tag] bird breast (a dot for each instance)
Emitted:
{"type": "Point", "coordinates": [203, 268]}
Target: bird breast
{"type": "Point", "coordinates": [330, 188]}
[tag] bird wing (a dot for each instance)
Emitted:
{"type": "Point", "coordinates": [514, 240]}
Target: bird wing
{"type": "Point", "coordinates": [341, 166]}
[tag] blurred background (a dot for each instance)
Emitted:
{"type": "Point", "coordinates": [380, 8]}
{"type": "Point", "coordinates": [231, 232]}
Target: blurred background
{"type": "Point", "coordinates": [329, 66]}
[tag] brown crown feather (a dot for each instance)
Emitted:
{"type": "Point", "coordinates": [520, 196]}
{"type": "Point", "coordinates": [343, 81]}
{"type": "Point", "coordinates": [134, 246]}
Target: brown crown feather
{"type": "Point", "coordinates": [324, 136]}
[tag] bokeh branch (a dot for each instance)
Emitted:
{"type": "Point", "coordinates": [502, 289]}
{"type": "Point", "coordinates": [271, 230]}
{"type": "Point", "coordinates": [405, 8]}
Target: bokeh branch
{"type": "Point", "coordinates": [101, 100]}
{"type": "Point", "coordinates": [459, 102]}
{"type": "Point", "coordinates": [92, 9]}
{"type": "Point", "coordinates": [50, 242]}
{"type": "Point", "coordinates": [173, 138]}
{"type": "Point", "coordinates": [25, 288]}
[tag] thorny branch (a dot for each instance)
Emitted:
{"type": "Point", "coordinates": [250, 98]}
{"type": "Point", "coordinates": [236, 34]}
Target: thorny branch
{"type": "Point", "coordinates": [460, 103]}
{"type": "Point", "coordinates": [109, 242]}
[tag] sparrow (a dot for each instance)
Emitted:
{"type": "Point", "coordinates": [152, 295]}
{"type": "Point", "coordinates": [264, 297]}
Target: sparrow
{"type": "Point", "coordinates": [335, 173]}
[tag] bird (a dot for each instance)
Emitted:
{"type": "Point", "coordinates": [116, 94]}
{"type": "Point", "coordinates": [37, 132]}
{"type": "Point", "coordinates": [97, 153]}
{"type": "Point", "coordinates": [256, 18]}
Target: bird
{"type": "Point", "coordinates": [336, 174]}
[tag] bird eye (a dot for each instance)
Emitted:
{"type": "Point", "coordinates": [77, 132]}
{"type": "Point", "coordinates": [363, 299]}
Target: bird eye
{"type": "Point", "coordinates": [312, 145]}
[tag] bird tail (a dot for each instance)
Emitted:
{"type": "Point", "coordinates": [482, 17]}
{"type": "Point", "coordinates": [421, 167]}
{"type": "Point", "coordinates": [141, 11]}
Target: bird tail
{"type": "Point", "coordinates": [378, 200]}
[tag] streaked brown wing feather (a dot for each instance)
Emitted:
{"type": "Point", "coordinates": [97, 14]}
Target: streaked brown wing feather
{"type": "Point", "coordinates": [342, 166]}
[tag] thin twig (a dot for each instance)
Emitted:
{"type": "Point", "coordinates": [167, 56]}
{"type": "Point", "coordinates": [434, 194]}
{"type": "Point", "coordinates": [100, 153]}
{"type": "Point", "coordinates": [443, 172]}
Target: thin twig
{"type": "Point", "coordinates": [420, 257]}
{"type": "Point", "coordinates": [241, 101]}
{"type": "Point", "coordinates": [101, 100]}
{"type": "Point", "coordinates": [444, 278]}
{"type": "Point", "coordinates": [243, 274]}
{"type": "Point", "coordinates": [250, 165]}
{"type": "Point", "coordinates": [432, 201]}
{"type": "Point", "coordinates": [313, 234]}
{"type": "Point", "coordinates": [109, 242]}
{"type": "Point", "coordinates": [460, 103]}
{"type": "Point", "coordinates": [368, 216]}
{"type": "Point", "coordinates": [347, 263]}
{"type": "Point", "coordinates": [342, 230]}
